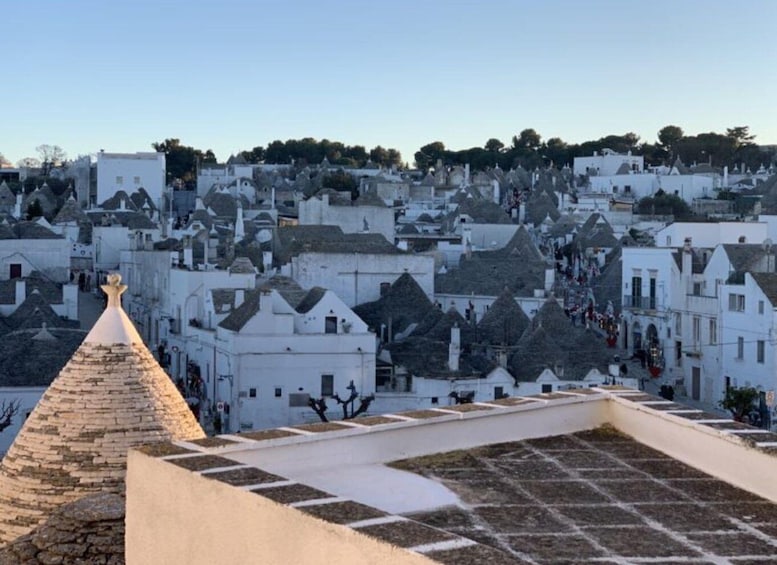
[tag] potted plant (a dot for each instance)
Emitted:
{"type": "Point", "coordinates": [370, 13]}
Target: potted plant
{"type": "Point", "coordinates": [739, 401]}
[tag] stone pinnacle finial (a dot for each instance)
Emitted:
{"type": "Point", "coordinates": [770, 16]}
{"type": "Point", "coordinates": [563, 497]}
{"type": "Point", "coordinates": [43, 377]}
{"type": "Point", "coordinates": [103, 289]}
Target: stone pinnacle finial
{"type": "Point", "coordinates": [114, 290]}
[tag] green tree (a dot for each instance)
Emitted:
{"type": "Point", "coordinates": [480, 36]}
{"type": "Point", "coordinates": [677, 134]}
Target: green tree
{"type": "Point", "coordinates": [664, 204]}
{"type": "Point", "coordinates": [379, 155]}
{"type": "Point", "coordinates": [493, 145]}
{"type": "Point", "coordinates": [342, 181]}
{"type": "Point", "coordinates": [739, 401]}
{"type": "Point", "coordinates": [527, 139]}
{"type": "Point", "coordinates": [181, 160]}
{"type": "Point", "coordinates": [668, 136]}
{"type": "Point", "coordinates": [740, 136]}
{"type": "Point", "coordinates": [428, 155]}
{"type": "Point", "coordinates": [34, 210]}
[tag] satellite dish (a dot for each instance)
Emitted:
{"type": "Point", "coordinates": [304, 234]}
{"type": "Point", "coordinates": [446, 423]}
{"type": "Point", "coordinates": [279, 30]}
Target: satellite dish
{"type": "Point", "coordinates": [263, 236]}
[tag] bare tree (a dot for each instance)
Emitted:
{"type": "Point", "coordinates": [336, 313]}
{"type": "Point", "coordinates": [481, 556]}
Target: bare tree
{"type": "Point", "coordinates": [7, 411]}
{"type": "Point", "coordinates": [319, 404]}
{"type": "Point", "coordinates": [3, 161]}
{"type": "Point", "coordinates": [50, 156]}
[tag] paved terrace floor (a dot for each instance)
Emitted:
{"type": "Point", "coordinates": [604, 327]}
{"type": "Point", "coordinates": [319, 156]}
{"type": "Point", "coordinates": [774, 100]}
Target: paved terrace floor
{"type": "Point", "coordinates": [593, 497]}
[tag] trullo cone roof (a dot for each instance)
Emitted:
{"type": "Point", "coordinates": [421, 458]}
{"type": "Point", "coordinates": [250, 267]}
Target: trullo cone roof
{"type": "Point", "coordinates": [112, 395]}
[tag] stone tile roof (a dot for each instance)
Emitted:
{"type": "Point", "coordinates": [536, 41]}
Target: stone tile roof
{"type": "Point", "coordinates": [240, 316]}
{"type": "Point", "coordinates": [428, 358]}
{"type": "Point", "coordinates": [50, 291]}
{"type": "Point", "coordinates": [7, 197]}
{"type": "Point", "coordinates": [489, 272]}
{"type": "Point", "coordinates": [34, 312]}
{"type": "Point", "coordinates": [370, 199]}
{"type": "Point", "coordinates": [293, 240]}
{"type": "Point", "coordinates": [536, 351]}
{"type": "Point", "coordinates": [504, 323]}
{"type": "Point", "coordinates": [768, 284]}
{"type": "Point", "coordinates": [87, 531]}
{"type": "Point", "coordinates": [242, 265]}
{"type": "Point", "coordinates": [114, 202]}
{"type": "Point", "coordinates": [312, 298]}
{"type": "Point", "coordinates": [142, 201]}
{"type": "Point", "coordinates": [744, 256]}
{"type": "Point", "coordinates": [69, 213]}
{"type": "Point", "coordinates": [551, 316]}
{"type": "Point", "coordinates": [112, 395]}
{"type": "Point", "coordinates": [404, 303]}
{"type": "Point", "coordinates": [26, 361]}
{"type": "Point", "coordinates": [28, 230]}
{"type": "Point", "coordinates": [223, 204]}
{"type": "Point", "coordinates": [287, 287]}
{"type": "Point", "coordinates": [539, 206]}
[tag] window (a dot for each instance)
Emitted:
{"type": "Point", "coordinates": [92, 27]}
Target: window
{"type": "Point", "coordinates": [713, 332]}
{"type": "Point", "coordinates": [636, 292]}
{"type": "Point", "coordinates": [697, 289]}
{"type": "Point", "coordinates": [669, 241]}
{"type": "Point", "coordinates": [652, 292]}
{"type": "Point", "coordinates": [119, 180]}
{"type": "Point", "coordinates": [251, 393]}
{"type": "Point", "coordinates": [435, 400]}
{"type": "Point", "coordinates": [327, 385]}
{"type": "Point", "coordinates": [615, 189]}
{"type": "Point", "coordinates": [299, 399]}
{"type": "Point", "coordinates": [740, 348]}
{"type": "Point", "coordinates": [736, 302]}
{"type": "Point", "coordinates": [696, 330]}
{"type": "Point", "coordinates": [760, 351]}
{"type": "Point", "coordinates": [499, 392]}
{"type": "Point", "coordinates": [136, 180]}
{"type": "Point", "coordinates": [627, 189]}
{"type": "Point", "coordinates": [760, 306]}
{"type": "Point", "coordinates": [330, 325]}
{"type": "Point", "coordinates": [547, 388]}
{"type": "Point", "coordinates": [15, 270]}
{"type": "Point", "coordinates": [678, 353]}
{"type": "Point", "coordinates": [278, 392]}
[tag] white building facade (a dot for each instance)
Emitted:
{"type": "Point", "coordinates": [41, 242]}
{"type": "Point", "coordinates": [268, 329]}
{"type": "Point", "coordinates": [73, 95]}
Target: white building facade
{"type": "Point", "coordinates": [129, 172]}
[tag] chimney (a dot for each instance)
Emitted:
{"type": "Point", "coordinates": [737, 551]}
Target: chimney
{"type": "Point", "coordinates": [454, 349]}
{"type": "Point", "coordinates": [267, 260]}
{"type": "Point", "coordinates": [265, 300]}
{"type": "Point", "coordinates": [240, 231]}
{"type": "Point", "coordinates": [501, 358]}
{"type": "Point", "coordinates": [188, 256]}
{"type": "Point", "coordinates": [466, 174]}
{"type": "Point", "coordinates": [550, 278]}
{"type": "Point", "coordinates": [70, 298]}
{"type": "Point", "coordinates": [21, 291]}
{"type": "Point", "coordinates": [384, 288]}
{"type": "Point", "coordinates": [521, 213]}
{"type": "Point", "coordinates": [725, 176]}
{"type": "Point", "coordinates": [687, 257]}
{"type": "Point", "coordinates": [497, 194]}
{"type": "Point", "coordinates": [240, 296]}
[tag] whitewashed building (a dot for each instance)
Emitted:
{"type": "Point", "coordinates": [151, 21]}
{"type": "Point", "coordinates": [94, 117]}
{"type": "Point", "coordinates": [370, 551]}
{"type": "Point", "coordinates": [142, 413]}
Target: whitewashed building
{"type": "Point", "coordinates": [129, 172]}
{"type": "Point", "coordinates": [271, 358]}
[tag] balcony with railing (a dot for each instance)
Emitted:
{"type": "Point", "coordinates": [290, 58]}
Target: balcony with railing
{"type": "Point", "coordinates": [640, 302]}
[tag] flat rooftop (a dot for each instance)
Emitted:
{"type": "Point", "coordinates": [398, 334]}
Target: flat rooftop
{"type": "Point", "coordinates": [604, 475]}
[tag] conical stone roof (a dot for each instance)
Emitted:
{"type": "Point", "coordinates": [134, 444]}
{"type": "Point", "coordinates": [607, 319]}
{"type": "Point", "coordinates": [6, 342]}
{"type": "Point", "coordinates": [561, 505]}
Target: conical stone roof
{"type": "Point", "coordinates": [112, 395]}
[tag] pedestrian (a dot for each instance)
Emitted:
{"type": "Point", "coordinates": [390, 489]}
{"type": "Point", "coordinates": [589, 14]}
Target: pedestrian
{"type": "Point", "coordinates": [81, 281]}
{"type": "Point", "coordinates": [88, 282]}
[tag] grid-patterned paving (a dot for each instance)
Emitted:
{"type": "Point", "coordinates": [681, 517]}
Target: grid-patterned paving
{"type": "Point", "coordinates": [596, 497]}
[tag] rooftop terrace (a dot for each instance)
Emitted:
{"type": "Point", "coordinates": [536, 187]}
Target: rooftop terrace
{"type": "Point", "coordinates": [604, 475]}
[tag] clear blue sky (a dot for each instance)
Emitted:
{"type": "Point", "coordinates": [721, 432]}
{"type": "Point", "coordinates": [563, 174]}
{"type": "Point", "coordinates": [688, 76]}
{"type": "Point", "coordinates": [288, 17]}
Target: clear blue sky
{"type": "Point", "coordinates": [229, 74]}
